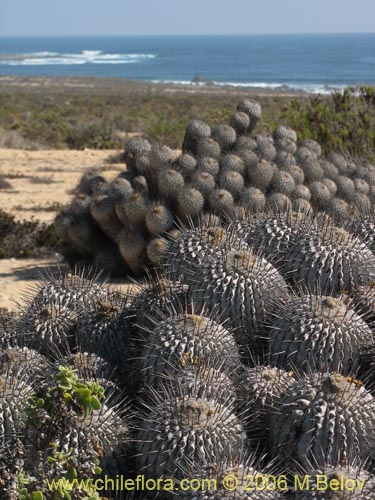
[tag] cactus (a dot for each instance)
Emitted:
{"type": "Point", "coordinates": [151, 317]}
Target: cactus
{"type": "Point", "coordinates": [232, 162]}
{"type": "Point", "coordinates": [211, 428]}
{"type": "Point", "coordinates": [195, 130]}
{"type": "Point", "coordinates": [240, 122]}
{"type": "Point", "coordinates": [158, 219]}
{"type": "Point", "coordinates": [188, 250]}
{"type": "Point", "coordinates": [207, 147]}
{"type": "Point", "coordinates": [156, 251]}
{"type": "Point", "coordinates": [331, 259]}
{"type": "Point", "coordinates": [331, 186]}
{"type": "Point", "coordinates": [209, 165]}
{"type": "Point", "coordinates": [301, 192]}
{"type": "Point", "coordinates": [297, 173]}
{"type": "Point", "coordinates": [261, 175]}
{"type": "Point", "coordinates": [184, 341]}
{"type": "Point", "coordinates": [285, 132]}
{"type": "Point", "coordinates": [170, 183]}
{"type": "Point", "coordinates": [241, 287]}
{"type": "Point", "coordinates": [319, 332]}
{"type": "Point", "coordinates": [233, 479]}
{"type": "Point", "coordinates": [313, 146]}
{"type": "Point", "coordinates": [185, 164]}
{"type": "Point", "coordinates": [203, 182]}
{"type": "Point", "coordinates": [244, 143]}
{"type": "Point", "coordinates": [265, 149]}
{"type": "Point", "coordinates": [275, 232]}
{"type": "Point", "coordinates": [132, 246]}
{"type": "Point", "coordinates": [233, 182]}
{"type": "Point", "coordinates": [320, 194]}
{"type": "Point", "coordinates": [254, 199]}
{"type": "Point", "coordinates": [279, 201]}
{"type": "Point", "coordinates": [283, 182]}
{"type": "Point", "coordinates": [361, 186]}
{"type": "Point", "coordinates": [103, 329]}
{"type": "Point", "coordinates": [345, 187]}
{"type": "Point", "coordinates": [190, 202]}
{"type": "Point", "coordinates": [339, 161]}
{"type": "Point", "coordinates": [323, 418]}
{"type": "Point", "coordinates": [221, 201]}
{"type": "Point", "coordinates": [253, 109]}
{"type": "Point", "coordinates": [225, 136]}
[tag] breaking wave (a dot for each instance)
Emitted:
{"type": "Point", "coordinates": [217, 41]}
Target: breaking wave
{"type": "Point", "coordinates": [84, 57]}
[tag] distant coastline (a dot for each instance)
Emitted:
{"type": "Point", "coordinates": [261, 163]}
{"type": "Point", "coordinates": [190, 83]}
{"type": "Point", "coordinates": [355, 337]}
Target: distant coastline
{"type": "Point", "coordinates": [314, 64]}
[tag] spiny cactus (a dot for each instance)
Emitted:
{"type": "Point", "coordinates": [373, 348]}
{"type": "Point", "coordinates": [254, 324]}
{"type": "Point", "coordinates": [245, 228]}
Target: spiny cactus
{"type": "Point", "coordinates": [240, 122]}
{"type": "Point", "coordinates": [225, 136]}
{"type": "Point", "coordinates": [170, 183]}
{"type": "Point", "coordinates": [232, 162]}
{"type": "Point", "coordinates": [195, 130]}
{"type": "Point", "coordinates": [321, 333]}
{"type": "Point", "coordinates": [25, 363]}
{"type": "Point", "coordinates": [283, 182]}
{"type": "Point", "coordinates": [190, 203]}
{"type": "Point", "coordinates": [325, 418]}
{"type": "Point", "coordinates": [209, 165]}
{"type": "Point", "coordinates": [181, 341]}
{"type": "Point", "coordinates": [274, 232]}
{"type": "Point", "coordinates": [210, 428]}
{"type": "Point", "coordinates": [188, 251]}
{"type": "Point", "coordinates": [103, 329]}
{"type": "Point", "coordinates": [261, 175]}
{"type": "Point", "coordinates": [185, 164]}
{"type": "Point", "coordinates": [279, 201]}
{"type": "Point", "coordinates": [132, 246]}
{"type": "Point", "coordinates": [233, 182]}
{"type": "Point", "coordinates": [254, 199]}
{"type": "Point", "coordinates": [221, 202]}
{"type": "Point", "coordinates": [159, 219]}
{"type": "Point", "coordinates": [241, 286]}
{"type": "Point", "coordinates": [331, 259]}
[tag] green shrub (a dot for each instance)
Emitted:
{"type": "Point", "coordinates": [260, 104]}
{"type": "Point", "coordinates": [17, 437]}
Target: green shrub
{"type": "Point", "coordinates": [343, 121]}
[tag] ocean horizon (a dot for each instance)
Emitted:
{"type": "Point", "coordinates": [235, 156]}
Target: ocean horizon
{"type": "Point", "coordinates": [314, 63]}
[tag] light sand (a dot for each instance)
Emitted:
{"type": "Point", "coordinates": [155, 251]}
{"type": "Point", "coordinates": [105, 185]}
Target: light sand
{"type": "Point", "coordinates": [41, 201]}
{"type": "Point", "coordinates": [42, 180]}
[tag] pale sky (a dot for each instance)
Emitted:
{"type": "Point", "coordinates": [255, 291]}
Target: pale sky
{"type": "Point", "coordinates": [159, 17]}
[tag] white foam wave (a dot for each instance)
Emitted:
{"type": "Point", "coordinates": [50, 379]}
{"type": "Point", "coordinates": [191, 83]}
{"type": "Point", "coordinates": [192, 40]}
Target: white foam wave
{"type": "Point", "coordinates": [281, 87]}
{"type": "Point", "coordinates": [84, 57]}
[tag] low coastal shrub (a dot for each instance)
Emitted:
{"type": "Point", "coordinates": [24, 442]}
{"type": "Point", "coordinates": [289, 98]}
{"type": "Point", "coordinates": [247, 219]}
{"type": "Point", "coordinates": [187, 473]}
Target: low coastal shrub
{"type": "Point", "coordinates": [26, 238]}
{"type": "Point", "coordinates": [344, 121]}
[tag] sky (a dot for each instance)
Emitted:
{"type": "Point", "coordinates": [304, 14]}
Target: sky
{"type": "Point", "coordinates": [159, 17]}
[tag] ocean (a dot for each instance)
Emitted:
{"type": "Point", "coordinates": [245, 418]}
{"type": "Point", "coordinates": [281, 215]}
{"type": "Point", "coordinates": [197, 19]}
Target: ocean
{"type": "Point", "coordinates": [312, 63]}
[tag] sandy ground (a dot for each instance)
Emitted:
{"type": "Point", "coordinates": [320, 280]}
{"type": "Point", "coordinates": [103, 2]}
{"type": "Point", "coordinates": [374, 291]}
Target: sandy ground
{"type": "Point", "coordinates": [41, 183]}
{"type": "Point", "coordinates": [42, 180]}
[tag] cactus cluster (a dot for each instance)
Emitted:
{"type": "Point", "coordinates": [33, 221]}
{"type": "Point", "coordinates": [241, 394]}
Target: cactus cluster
{"type": "Point", "coordinates": [122, 225]}
{"type": "Point", "coordinates": [248, 348]}
{"type": "Point", "coordinates": [219, 363]}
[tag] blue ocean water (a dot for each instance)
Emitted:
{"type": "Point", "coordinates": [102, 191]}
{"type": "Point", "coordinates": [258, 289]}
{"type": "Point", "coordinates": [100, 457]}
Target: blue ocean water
{"type": "Point", "coordinates": [313, 63]}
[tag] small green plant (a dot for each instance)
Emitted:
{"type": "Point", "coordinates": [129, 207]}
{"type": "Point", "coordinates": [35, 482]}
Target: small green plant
{"type": "Point", "coordinates": [51, 412]}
